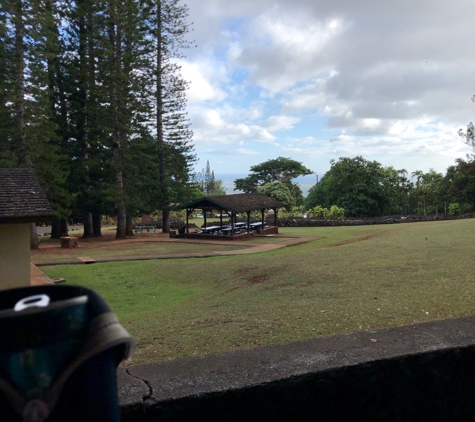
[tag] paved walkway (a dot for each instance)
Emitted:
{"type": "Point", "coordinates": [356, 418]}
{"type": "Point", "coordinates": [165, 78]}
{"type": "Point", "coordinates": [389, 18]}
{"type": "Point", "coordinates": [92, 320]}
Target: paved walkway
{"type": "Point", "coordinates": [38, 277]}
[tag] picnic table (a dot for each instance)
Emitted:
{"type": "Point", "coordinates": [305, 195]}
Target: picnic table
{"type": "Point", "coordinates": [255, 226]}
{"type": "Point", "coordinates": [210, 229]}
{"type": "Point", "coordinates": [148, 229]}
{"type": "Point", "coordinates": [227, 230]}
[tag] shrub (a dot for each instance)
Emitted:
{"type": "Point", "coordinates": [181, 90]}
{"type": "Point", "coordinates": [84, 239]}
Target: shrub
{"type": "Point", "coordinates": [335, 213]}
{"type": "Point", "coordinates": [454, 209]}
{"type": "Point", "coordinates": [317, 211]}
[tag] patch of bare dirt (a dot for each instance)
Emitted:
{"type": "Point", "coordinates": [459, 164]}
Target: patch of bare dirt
{"type": "Point", "coordinates": [107, 239]}
{"type": "Point", "coordinates": [244, 271]}
{"type": "Point", "coordinates": [358, 239]}
{"type": "Point", "coordinates": [255, 279]}
{"type": "Point", "coordinates": [258, 279]}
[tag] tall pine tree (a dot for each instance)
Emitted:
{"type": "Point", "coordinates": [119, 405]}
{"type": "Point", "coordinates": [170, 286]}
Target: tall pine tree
{"type": "Point", "coordinates": [173, 133]}
{"type": "Point", "coordinates": [91, 96]}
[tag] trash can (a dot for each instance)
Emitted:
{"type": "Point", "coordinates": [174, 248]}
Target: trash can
{"type": "Point", "coordinates": [172, 233]}
{"type": "Point", "coordinates": [59, 350]}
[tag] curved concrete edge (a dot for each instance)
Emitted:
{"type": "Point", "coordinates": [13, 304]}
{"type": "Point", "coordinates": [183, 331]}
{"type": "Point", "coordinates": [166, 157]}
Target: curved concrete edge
{"type": "Point", "coordinates": [37, 277]}
{"type": "Point", "coordinates": [419, 361]}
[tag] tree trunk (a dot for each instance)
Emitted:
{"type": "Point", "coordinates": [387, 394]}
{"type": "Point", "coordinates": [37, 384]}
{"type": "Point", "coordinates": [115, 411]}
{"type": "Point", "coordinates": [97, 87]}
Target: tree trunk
{"type": "Point", "coordinates": [56, 229]}
{"type": "Point", "coordinates": [34, 241]}
{"type": "Point", "coordinates": [64, 227]}
{"type": "Point", "coordinates": [166, 221]}
{"type": "Point", "coordinates": [121, 221]}
{"type": "Point", "coordinates": [97, 224]}
{"type": "Point", "coordinates": [88, 227]}
{"type": "Point", "coordinates": [19, 86]}
{"type": "Point", "coordinates": [129, 226]}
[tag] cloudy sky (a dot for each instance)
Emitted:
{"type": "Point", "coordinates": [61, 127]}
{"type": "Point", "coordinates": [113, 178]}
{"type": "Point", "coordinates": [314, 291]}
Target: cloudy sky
{"type": "Point", "coordinates": [316, 80]}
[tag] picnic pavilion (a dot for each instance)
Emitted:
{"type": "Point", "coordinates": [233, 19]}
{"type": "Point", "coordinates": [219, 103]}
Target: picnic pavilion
{"type": "Point", "coordinates": [242, 203]}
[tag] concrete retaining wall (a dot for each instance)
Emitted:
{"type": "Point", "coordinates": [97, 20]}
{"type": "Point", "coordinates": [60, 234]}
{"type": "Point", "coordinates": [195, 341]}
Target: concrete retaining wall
{"type": "Point", "coordinates": [423, 372]}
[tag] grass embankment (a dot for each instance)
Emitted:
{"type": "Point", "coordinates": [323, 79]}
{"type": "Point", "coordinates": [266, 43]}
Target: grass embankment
{"type": "Point", "coordinates": [356, 278]}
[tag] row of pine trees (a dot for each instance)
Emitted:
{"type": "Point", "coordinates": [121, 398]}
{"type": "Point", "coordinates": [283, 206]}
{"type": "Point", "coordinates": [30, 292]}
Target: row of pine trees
{"type": "Point", "coordinates": [92, 98]}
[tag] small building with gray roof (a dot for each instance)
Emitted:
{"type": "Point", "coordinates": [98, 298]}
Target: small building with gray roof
{"type": "Point", "coordinates": [22, 202]}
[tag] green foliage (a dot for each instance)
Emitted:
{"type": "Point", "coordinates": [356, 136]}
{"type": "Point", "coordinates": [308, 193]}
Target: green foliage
{"type": "Point", "coordinates": [317, 211]}
{"type": "Point", "coordinates": [334, 213]}
{"type": "Point", "coordinates": [91, 97]}
{"type": "Point", "coordinates": [279, 170]}
{"type": "Point", "coordinates": [207, 183]}
{"type": "Point", "coordinates": [360, 187]}
{"type": "Point", "coordinates": [29, 133]}
{"type": "Point", "coordinates": [454, 209]}
{"type": "Point", "coordinates": [427, 191]}
{"type": "Point", "coordinates": [458, 185]}
{"type": "Point", "coordinates": [278, 191]}
{"type": "Point", "coordinates": [248, 184]}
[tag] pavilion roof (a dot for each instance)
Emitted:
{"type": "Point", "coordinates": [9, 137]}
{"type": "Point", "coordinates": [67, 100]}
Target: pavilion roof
{"type": "Point", "coordinates": [240, 202]}
{"type": "Point", "coordinates": [21, 198]}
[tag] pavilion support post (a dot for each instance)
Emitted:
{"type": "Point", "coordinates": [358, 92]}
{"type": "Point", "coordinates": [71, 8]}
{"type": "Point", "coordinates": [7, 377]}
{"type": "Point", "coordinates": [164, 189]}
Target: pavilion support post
{"type": "Point", "coordinates": [221, 218]}
{"type": "Point", "coordinates": [188, 210]}
{"type": "Point", "coordinates": [204, 217]}
{"type": "Point", "coordinates": [188, 213]}
{"type": "Point", "coordinates": [233, 218]}
{"type": "Point", "coordinates": [248, 221]}
{"type": "Point", "coordinates": [275, 217]}
{"type": "Point", "coordinates": [262, 218]}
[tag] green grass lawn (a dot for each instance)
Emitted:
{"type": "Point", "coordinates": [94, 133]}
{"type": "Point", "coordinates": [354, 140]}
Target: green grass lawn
{"type": "Point", "coordinates": [356, 278]}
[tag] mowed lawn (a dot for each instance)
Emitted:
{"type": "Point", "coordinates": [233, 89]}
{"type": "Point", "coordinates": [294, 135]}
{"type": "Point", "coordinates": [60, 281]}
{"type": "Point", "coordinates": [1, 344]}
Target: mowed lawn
{"type": "Point", "coordinates": [355, 278]}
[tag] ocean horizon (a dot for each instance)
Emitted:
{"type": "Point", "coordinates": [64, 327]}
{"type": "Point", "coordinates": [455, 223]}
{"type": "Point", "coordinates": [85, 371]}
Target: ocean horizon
{"type": "Point", "coordinates": [305, 182]}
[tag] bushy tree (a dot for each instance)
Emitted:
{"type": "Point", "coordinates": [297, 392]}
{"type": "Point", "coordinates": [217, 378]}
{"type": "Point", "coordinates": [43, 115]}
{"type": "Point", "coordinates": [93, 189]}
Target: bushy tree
{"type": "Point", "coordinates": [281, 170]}
{"type": "Point", "coordinates": [427, 191]}
{"type": "Point", "coordinates": [278, 191]}
{"type": "Point", "coordinates": [458, 185]}
{"type": "Point", "coordinates": [468, 134]}
{"type": "Point", "coordinates": [359, 186]}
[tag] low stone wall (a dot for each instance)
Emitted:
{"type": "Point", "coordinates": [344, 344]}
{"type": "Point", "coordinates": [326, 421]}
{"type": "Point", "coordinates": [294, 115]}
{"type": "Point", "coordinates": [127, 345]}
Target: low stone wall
{"type": "Point", "coordinates": [422, 372]}
{"type": "Point", "coordinates": [321, 222]}
{"type": "Point", "coordinates": [269, 230]}
{"type": "Point", "coordinates": [240, 236]}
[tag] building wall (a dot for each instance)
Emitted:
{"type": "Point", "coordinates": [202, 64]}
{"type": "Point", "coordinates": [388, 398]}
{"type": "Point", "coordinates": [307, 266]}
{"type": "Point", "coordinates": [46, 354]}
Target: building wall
{"type": "Point", "coordinates": [14, 255]}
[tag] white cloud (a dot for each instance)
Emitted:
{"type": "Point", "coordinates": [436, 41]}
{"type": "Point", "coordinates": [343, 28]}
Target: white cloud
{"type": "Point", "coordinates": [204, 78]}
{"type": "Point", "coordinates": [280, 123]}
{"type": "Point", "coordinates": [389, 79]}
